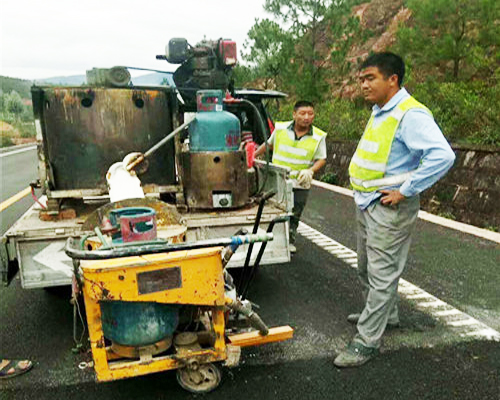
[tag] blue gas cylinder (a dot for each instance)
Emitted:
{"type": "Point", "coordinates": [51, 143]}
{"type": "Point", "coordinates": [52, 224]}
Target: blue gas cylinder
{"type": "Point", "coordinates": [214, 129]}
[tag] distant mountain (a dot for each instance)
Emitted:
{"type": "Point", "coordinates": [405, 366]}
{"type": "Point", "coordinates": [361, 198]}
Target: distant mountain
{"type": "Point", "coordinates": [22, 86]}
{"type": "Point", "coordinates": [153, 79]}
{"type": "Point", "coordinates": [73, 80]}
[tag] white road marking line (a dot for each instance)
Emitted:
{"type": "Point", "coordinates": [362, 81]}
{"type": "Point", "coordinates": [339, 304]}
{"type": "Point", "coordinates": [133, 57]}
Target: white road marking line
{"type": "Point", "coordinates": [458, 226]}
{"type": "Point", "coordinates": [321, 241]}
{"type": "Point", "coordinates": [486, 333]}
{"type": "Point", "coordinates": [344, 256]}
{"type": "Point", "coordinates": [435, 307]}
{"type": "Point", "coordinates": [11, 153]}
{"type": "Point", "coordinates": [331, 247]}
{"type": "Point", "coordinates": [431, 304]}
{"type": "Point", "coordinates": [446, 313]}
{"type": "Point", "coordinates": [464, 322]}
{"type": "Point", "coordinates": [418, 296]}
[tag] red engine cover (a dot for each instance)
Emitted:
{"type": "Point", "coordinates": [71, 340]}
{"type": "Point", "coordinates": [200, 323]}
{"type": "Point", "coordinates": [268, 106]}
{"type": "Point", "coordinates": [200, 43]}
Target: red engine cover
{"type": "Point", "coordinates": [227, 50]}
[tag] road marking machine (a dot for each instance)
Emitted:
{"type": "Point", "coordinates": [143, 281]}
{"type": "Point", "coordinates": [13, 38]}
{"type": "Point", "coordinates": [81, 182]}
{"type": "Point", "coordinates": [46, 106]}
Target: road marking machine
{"type": "Point", "coordinates": [153, 305]}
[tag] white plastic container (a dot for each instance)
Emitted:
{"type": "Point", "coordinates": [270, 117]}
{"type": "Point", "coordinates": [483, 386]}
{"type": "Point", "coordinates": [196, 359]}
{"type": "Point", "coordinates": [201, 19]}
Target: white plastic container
{"type": "Point", "coordinates": [123, 184]}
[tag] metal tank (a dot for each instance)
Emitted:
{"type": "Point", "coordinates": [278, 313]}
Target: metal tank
{"type": "Point", "coordinates": [84, 130]}
{"type": "Point", "coordinates": [214, 168]}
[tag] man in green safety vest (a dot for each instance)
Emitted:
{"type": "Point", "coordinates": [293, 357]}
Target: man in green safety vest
{"type": "Point", "coordinates": [300, 146]}
{"type": "Point", "coordinates": [401, 153]}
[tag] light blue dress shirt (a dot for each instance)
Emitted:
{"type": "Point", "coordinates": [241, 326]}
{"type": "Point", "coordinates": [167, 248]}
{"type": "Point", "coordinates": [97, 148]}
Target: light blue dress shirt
{"type": "Point", "coordinates": [419, 145]}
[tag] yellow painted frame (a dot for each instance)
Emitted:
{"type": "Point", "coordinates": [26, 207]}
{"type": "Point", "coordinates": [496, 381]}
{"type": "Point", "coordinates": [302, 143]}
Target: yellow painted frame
{"type": "Point", "coordinates": [116, 279]}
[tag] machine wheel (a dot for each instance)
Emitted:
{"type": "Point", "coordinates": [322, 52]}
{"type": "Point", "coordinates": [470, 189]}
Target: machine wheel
{"type": "Point", "coordinates": [199, 378]}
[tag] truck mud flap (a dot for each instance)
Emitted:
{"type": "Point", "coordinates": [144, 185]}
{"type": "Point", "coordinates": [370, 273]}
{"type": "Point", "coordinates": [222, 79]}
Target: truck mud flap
{"type": "Point", "coordinates": [8, 268]}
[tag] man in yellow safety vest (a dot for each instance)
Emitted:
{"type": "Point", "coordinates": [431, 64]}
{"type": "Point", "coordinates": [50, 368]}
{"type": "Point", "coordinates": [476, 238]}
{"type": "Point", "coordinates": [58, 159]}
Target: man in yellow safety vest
{"type": "Point", "coordinates": [401, 153]}
{"type": "Point", "coordinates": [300, 146]}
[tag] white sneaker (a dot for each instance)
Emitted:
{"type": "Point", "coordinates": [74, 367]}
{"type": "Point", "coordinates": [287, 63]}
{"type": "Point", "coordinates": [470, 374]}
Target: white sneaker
{"type": "Point", "coordinates": [293, 249]}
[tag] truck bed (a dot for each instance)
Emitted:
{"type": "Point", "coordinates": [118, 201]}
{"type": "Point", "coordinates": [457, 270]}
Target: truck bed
{"type": "Point", "coordinates": [38, 245]}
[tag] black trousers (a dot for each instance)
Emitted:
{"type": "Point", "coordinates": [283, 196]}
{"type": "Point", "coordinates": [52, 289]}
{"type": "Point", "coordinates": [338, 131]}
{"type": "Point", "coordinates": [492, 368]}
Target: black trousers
{"type": "Point", "coordinates": [299, 202]}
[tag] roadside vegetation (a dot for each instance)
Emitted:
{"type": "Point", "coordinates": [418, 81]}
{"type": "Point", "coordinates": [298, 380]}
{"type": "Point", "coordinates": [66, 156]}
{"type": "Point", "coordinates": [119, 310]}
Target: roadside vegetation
{"type": "Point", "coordinates": [16, 119]}
{"type": "Point", "coordinates": [451, 47]}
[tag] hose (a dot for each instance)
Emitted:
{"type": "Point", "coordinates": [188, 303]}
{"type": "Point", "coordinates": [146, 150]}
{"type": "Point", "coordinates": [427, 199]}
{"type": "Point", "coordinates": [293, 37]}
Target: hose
{"type": "Point", "coordinates": [138, 248]}
{"type": "Point", "coordinates": [252, 316]}
{"type": "Point", "coordinates": [264, 133]}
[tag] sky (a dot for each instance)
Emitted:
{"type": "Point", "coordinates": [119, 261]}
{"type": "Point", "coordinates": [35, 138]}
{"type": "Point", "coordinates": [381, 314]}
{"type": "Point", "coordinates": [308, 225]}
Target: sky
{"type": "Point", "coordinates": [48, 38]}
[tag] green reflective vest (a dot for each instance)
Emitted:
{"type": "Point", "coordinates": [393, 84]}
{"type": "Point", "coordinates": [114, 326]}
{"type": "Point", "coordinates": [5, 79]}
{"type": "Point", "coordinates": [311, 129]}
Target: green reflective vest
{"type": "Point", "coordinates": [295, 154]}
{"type": "Point", "coordinates": [369, 163]}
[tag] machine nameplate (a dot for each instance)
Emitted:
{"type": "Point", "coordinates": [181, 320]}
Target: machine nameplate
{"type": "Point", "coordinates": [159, 280]}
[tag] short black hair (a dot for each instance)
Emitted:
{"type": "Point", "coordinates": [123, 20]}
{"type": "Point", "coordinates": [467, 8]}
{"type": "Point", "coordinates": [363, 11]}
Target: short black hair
{"type": "Point", "coordinates": [387, 63]}
{"type": "Point", "coordinates": [302, 103]}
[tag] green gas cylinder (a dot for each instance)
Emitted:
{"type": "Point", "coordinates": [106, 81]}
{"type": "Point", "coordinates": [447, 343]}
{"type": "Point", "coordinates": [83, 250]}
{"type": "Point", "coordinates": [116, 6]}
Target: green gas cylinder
{"type": "Point", "coordinates": [213, 129]}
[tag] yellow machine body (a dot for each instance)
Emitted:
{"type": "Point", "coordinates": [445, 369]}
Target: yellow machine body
{"type": "Point", "coordinates": [192, 277]}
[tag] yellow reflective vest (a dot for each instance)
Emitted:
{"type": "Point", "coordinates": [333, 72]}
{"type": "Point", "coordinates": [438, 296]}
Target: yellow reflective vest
{"type": "Point", "coordinates": [369, 163]}
{"type": "Point", "coordinates": [295, 154]}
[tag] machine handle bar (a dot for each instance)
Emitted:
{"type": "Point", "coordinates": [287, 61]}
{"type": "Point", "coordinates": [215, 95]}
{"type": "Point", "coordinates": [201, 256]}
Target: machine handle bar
{"type": "Point", "coordinates": [139, 248]}
{"type": "Point", "coordinates": [166, 139]}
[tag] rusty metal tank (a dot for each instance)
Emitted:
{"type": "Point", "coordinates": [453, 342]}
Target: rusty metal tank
{"type": "Point", "coordinates": [214, 169]}
{"type": "Point", "coordinates": [84, 130]}
{"type": "Point", "coordinates": [216, 179]}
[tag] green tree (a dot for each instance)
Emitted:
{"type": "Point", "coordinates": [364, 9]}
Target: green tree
{"type": "Point", "coordinates": [14, 103]}
{"type": "Point", "coordinates": [2, 101]}
{"type": "Point", "coordinates": [267, 47]}
{"type": "Point", "coordinates": [460, 36]}
{"type": "Point", "coordinates": [242, 75]}
{"type": "Point", "coordinates": [306, 21]}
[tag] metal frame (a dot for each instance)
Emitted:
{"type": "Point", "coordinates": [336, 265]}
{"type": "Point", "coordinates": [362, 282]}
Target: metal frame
{"type": "Point", "coordinates": [106, 280]}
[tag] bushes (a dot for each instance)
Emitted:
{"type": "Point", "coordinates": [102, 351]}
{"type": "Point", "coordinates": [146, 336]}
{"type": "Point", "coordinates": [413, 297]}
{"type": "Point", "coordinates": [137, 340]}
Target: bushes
{"type": "Point", "coordinates": [340, 118]}
{"type": "Point", "coordinates": [467, 112]}
{"type": "Point", "coordinates": [15, 112]}
{"type": "Point", "coordinates": [6, 141]}
{"type": "Point", "coordinates": [27, 129]}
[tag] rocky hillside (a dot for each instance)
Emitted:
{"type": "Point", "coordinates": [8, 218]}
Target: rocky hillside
{"type": "Point", "coordinates": [379, 19]}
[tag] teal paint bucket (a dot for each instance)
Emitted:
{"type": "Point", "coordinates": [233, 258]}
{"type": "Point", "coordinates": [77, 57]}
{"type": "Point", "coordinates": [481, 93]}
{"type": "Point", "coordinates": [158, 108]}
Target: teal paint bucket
{"type": "Point", "coordinates": [134, 224]}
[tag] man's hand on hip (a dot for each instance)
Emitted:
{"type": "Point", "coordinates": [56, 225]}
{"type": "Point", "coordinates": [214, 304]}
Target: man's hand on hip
{"type": "Point", "coordinates": [391, 197]}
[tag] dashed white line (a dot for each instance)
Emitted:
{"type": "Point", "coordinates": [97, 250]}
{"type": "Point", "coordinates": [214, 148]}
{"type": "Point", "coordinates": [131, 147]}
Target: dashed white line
{"type": "Point", "coordinates": [419, 296]}
{"type": "Point", "coordinates": [424, 301]}
{"type": "Point", "coordinates": [432, 304]}
{"type": "Point", "coordinates": [464, 322]}
{"type": "Point", "coordinates": [446, 313]}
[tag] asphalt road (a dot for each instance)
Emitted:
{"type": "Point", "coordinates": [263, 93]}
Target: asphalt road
{"type": "Point", "coordinates": [313, 293]}
{"type": "Point", "coordinates": [17, 171]}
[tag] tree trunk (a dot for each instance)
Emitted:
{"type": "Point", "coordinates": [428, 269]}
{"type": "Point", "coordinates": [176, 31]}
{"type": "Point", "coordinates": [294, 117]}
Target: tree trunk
{"type": "Point", "coordinates": [456, 65]}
